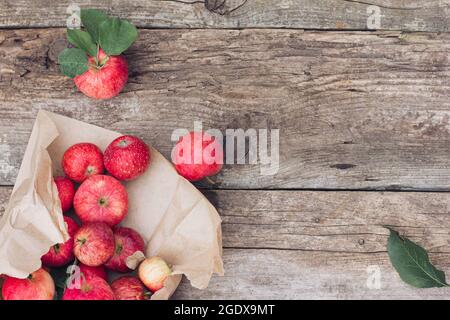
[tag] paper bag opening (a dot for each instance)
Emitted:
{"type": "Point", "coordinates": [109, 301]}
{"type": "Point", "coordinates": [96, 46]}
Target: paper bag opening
{"type": "Point", "coordinates": [177, 222]}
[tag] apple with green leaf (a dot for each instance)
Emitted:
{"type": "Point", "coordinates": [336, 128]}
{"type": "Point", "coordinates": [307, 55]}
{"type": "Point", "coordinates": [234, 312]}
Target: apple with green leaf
{"type": "Point", "coordinates": [96, 63]}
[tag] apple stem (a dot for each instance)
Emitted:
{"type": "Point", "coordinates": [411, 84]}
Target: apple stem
{"type": "Point", "coordinates": [147, 295]}
{"type": "Point", "coordinates": [97, 56]}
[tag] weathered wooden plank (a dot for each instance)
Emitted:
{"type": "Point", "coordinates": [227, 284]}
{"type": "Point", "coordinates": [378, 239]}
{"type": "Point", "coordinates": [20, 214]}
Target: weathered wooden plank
{"type": "Point", "coordinates": [331, 221]}
{"type": "Point", "coordinates": [354, 110]}
{"type": "Point", "coordinates": [411, 15]}
{"type": "Point", "coordinates": [320, 245]}
{"type": "Point", "coordinates": [349, 222]}
{"type": "Point", "coordinates": [278, 274]}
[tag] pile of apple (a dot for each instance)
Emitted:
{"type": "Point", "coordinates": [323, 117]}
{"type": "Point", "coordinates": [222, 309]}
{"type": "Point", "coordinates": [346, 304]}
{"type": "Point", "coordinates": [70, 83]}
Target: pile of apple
{"type": "Point", "coordinates": [100, 203]}
{"type": "Point", "coordinates": [99, 244]}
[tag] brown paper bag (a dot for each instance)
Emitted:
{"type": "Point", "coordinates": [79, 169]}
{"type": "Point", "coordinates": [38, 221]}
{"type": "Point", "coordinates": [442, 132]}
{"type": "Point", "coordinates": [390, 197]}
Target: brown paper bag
{"type": "Point", "coordinates": [175, 219]}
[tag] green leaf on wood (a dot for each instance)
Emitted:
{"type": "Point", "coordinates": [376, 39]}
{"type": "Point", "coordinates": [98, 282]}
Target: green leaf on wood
{"type": "Point", "coordinates": [91, 19]}
{"type": "Point", "coordinates": [116, 36]}
{"type": "Point", "coordinates": [73, 62]}
{"type": "Point", "coordinates": [413, 264]}
{"type": "Point", "coordinates": [82, 40]}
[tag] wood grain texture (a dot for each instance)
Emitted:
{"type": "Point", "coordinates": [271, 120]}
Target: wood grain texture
{"type": "Point", "coordinates": [409, 15]}
{"type": "Point", "coordinates": [355, 110]}
{"type": "Point", "coordinates": [277, 274]}
{"type": "Point", "coordinates": [320, 245]}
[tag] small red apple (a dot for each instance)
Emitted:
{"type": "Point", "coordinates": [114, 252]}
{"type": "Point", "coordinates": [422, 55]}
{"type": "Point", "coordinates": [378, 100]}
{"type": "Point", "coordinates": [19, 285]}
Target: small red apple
{"type": "Point", "coordinates": [153, 272]}
{"type": "Point", "coordinates": [94, 244]}
{"type": "Point", "coordinates": [197, 155]}
{"type": "Point", "coordinates": [61, 254]}
{"type": "Point", "coordinates": [93, 288]}
{"type": "Point", "coordinates": [129, 288]}
{"type": "Point", "coordinates": [101, 199]}
{"type": "Point", "coordinates": [127, 157]}
{"type": "Point", "coordinates": [128, 242]}
{"type": "Point", "coordinates": [38, 286]}
{"type": "Point", "coordinates": [104, 81]}
{"type": "Point", "coordinates": [82, 160]}
{"type": "Point", "coordinates": [93, 271]}
{"type": "Point", "coordinates": [66, 192]}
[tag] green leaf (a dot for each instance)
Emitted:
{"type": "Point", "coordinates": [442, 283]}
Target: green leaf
{"type": "Point", "coordinates": [73, 62]}
{"type": "Point", "coordinates": [91, 19]}
{"type": "Point", "coordinates": [82, 40]}
{"type": "Point", "coordinates": [116, 36]}
{"type": "Point", "coordinates": [413, 264]}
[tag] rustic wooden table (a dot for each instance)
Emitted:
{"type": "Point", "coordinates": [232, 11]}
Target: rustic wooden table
{"type": "Point", "coordinates": [363, 118]}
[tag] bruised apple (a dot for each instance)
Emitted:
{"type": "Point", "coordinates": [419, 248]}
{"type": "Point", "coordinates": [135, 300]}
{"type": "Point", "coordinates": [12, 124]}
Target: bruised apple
{"type": "Point", "coordinates": [129, 288]}
{"type": "Point", "coordinates": [127, 242]}
{"type": "Point", "coordinates": [81, 161]}
{"type": "Point", "coordinates": [197, 155]}
{"type": "Point", "coordinates": [101, 199]}
{"type": "Point", "coordinates": [104, 80]}
{"type": "Point", "coordinates": [62, 253]}
{"type": "Point", "coordinates": [91, 288]}
{"type": "Point", "coordinates": [66, 192]}
{"type": "Point", "coordinates": [94, 244]}
{"type": "Point", "coordinates": [127, 157]}
{"type": "Point", "coordinates": [38, 286]}
{"type": "Point", "coordinates": [153, 272]}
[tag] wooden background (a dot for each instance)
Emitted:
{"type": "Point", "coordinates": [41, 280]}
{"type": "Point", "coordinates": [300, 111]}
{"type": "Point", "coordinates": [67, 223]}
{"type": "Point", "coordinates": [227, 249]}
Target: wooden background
{"type": "Point", "coordinates": [364, 119]}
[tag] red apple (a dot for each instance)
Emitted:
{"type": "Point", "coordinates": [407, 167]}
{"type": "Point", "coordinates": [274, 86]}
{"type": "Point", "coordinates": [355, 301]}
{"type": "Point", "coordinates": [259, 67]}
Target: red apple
{"type": "Point", "coordinates": [38, 286]}
{"type": "Point", "coordinates": [101, 199]}
{"type": "Point", "coordinates": [61, 254]}
{"type": "Point", "coordinates": [81, 161]}
{"type": "Point", "coordinates": [197, 155]}
{"type": "Point", "coordinates": [153, 272]}
{"type": "Point", "coordinates": [129, 288]}
{"type": "Point", "coordinates": [66, 192]}
{"type": "Point", "coordinates": [128, 242]}
{"type": "Point", "coordinates": [127, 157]}
{"type": "Point", "coordinates": [93, 288]}
{"type": "Point", "coordinates": [93, 271]}
{"type": "Point", "coordinates": [106, 81]}
{"type": "Point", "coordinates": [94, 244]}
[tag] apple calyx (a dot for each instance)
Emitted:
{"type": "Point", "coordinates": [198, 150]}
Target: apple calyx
{"type": "Point", "coordinates": [103, 202]}
{"type": "Point", "coordinates": [90, 170]}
